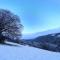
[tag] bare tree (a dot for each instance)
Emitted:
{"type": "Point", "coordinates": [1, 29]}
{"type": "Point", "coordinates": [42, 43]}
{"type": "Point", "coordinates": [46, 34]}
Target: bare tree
{"type": "Point", "coordinates": [10, 25]}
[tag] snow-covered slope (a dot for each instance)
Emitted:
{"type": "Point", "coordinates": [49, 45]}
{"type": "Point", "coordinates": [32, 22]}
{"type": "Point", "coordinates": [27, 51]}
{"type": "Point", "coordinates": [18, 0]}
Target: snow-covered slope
{"type": "Point", "coordinates": [21, 52]}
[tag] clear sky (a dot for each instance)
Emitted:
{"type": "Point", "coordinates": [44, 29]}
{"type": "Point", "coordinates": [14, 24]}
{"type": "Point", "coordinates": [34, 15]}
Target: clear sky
{"type": "Point", "coordinates": [35, 15]}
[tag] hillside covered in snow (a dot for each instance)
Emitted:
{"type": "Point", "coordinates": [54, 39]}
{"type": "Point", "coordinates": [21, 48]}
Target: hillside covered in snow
{"type": "Point", "coordinates": [21, 52]}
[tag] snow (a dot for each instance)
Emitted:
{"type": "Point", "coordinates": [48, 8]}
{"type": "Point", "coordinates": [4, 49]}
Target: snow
{"type": "Point", "coordinates": [21, 52]}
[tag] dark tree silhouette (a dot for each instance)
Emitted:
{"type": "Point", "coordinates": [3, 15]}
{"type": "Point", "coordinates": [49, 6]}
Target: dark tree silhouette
{"type": "Point", "coordinates": [10, 25]}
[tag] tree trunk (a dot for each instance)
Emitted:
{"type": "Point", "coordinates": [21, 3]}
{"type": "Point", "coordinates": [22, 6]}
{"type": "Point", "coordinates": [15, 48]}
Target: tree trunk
{"type": "Point", "coordinates": [2, 39]}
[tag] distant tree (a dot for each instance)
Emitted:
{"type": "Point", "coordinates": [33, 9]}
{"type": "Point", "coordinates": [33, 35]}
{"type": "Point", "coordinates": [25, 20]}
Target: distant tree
{"type": "Point", "coordinates": [10, 25]}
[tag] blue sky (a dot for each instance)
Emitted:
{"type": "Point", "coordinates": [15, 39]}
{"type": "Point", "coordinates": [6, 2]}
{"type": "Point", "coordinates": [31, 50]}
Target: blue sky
{"type": "Point", "coordinates": [35, 15]}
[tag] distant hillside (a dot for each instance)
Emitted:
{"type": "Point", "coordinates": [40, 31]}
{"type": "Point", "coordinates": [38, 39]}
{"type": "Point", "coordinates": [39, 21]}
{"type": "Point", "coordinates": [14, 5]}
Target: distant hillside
{"type": "Point", "coordinates": [35, 35]}
{"type": "Point", "coordinates": [48, 42]}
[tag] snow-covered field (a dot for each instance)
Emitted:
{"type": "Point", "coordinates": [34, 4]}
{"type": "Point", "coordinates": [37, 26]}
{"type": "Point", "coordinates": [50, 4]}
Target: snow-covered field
{"type": "Point", "coordinates": [21, 52]}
